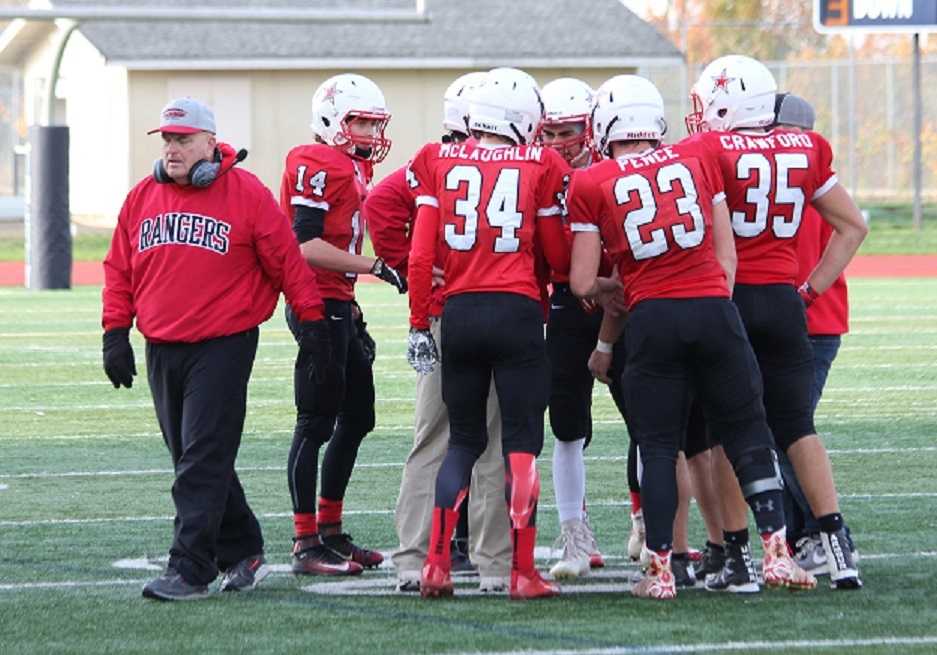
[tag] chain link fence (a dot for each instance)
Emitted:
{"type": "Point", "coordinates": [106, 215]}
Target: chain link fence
{"type": "Point", "coordinates": [864, 108]}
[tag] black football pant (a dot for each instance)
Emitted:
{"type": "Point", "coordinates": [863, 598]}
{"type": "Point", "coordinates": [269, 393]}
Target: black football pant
{"type": "Point", "coordinates": [339, 412]}
{"type": "Point", "coordinates": [485, 335]}
{"type": "Point", "coordinates": [776, 324]}
{"type": "Point", "coordinates": [675, 349]}
{"type": "Point", "coordinates": [200, 394]}
{"type": "Point", "coordinates": [571, 336]}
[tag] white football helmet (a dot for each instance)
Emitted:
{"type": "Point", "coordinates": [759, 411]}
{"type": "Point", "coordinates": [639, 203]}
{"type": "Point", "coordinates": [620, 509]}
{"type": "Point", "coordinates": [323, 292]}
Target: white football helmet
{"type": "Point", "coordinates": [337, 101]}
{"type": "Point", "coordinates": [732, 92]}
{"type": "Point", "coordinates": [507, 103]}
{"type": "Point", "coordinates": [627, 108]}
{"type": "Point", "coordinates": [456, 102]}
{"type": "Point", "coordinates": [568, 101]}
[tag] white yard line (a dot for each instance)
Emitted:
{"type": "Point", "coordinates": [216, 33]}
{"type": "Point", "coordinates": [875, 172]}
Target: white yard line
{"type": "Point", "coordinates": [730, 646]}
{"type": "Point", "coordinates": [29, 523]}
{"type": "Point", "coordinates": [393, 465]}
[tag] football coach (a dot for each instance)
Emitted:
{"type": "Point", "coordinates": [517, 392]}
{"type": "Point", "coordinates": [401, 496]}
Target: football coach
{"type": "Point", "coordinates": [199, 256]}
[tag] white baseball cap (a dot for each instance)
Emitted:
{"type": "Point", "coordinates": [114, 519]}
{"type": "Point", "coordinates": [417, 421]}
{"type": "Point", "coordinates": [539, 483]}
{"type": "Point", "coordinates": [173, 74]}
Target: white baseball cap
{"type": "Point", "coordinates": [185, 116]}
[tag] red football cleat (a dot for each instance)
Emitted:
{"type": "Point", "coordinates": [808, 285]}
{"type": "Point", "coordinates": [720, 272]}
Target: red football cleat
{"type": "Point", "coordinates": [529, 585]}
{"type": "Point", "coordinates": [435, 580]}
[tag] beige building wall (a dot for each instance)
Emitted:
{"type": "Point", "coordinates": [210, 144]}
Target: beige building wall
{"type": "Point", "coordinates": [96, 108]}
{"type": "Point", "coordinates": [268, 112]}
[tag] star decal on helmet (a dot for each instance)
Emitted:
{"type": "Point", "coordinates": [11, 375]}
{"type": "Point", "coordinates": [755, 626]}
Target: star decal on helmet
{"type": "Point", "coordinates": [330, 93]}
{"type": "Point", "coordinates": [722, 81]}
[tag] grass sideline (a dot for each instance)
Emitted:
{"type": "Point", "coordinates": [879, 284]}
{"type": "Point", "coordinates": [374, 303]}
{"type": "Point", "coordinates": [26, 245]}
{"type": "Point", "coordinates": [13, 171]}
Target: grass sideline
{"type": "Point", "coordinates": [85, 482]}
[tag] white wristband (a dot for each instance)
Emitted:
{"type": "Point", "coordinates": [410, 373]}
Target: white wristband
{"type": "Point", "coordinates": [604, 346]}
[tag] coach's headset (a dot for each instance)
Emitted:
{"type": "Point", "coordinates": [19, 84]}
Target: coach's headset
{"type": "Point", "coordinates": [202, 173]}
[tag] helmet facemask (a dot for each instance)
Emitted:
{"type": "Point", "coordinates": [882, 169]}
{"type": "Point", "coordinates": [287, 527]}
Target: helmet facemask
{"type": "Point", "coordinates": [373, 148]}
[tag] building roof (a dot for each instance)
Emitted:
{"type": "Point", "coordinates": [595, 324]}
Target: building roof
{"type": "Point", "coordinates": [458, 34]}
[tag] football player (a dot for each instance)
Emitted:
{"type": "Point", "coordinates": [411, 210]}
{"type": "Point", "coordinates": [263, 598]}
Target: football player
{"type": "Point", "coordinates": [323, 186]}
{"type": "Point", "coordinates": [572, 331]}
{"type": "Point", "coordinates": [771, 176]}
{"type": "Point", "coordinates": [660, 212]}
{"type": "Point", "coordinates": [389, 212]}
{"type": "Point", "coordinates": [827, 321]}
{"type": "Point", "coordinates": [488, 205]}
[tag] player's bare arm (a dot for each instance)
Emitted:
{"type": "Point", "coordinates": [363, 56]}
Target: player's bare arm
{"type": "Point", "coordinates": [601, 358]}
{"type": "Point", "coordinates": [724, 242]}
{"type": "Point", "coordinates": [849, 230]}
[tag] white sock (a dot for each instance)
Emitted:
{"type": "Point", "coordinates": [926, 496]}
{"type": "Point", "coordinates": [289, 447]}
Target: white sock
{"type": "Point", "coordinates": [569, 478]}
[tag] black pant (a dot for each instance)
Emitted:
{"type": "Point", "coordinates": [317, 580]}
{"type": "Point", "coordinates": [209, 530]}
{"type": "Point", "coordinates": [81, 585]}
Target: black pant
{"type": "Point", "coordinates": [571, 338]}
{"type": "Point", "coordinates": [343, 425]}
{"type": "Point", "coordinates": [774, 319]}
{"type": "Point", "coordinates": [678, 349]}
{"type": "Point", "coordinates": [500, 334]}
{"type": "Point", "coordinates": [200, 394]}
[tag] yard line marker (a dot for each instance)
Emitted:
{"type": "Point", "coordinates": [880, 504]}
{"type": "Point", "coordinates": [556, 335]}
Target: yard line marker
{"type": "Point", "coordinates": [27, 523]}
{"type": "Point", "coordinates": [69, 584]}
{"type": "Point", "coordinates": [382, 465]}
{"type": "Point", "coordinates": [743, 646]}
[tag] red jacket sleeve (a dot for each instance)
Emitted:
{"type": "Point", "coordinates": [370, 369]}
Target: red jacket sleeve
{"type": "Point", "coordinates": [281, 260]}
{"type": "Point", "coordinates": [388, 212]}
{"type": "Point", "coordinates": [117, 296]}
{"type": "Point", "coordinates": [420, 270]}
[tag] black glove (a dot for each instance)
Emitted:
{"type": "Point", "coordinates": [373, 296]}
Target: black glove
{"type": "Point", "coordinates": [389, 275]}
{"type": "Point", "coordinates": [119, 365]}
{"type": "Point", "coordinates": [314, 340]}
{"type": "Point", "coordinates": [367, 343]}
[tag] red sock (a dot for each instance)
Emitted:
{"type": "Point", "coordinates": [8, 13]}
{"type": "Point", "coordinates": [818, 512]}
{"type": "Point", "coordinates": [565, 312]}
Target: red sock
{"type": "Point", "coordinates": [440, 536]}
{"type": "Point", "coordinates": [523, 489]}
{"type": "Point", "coordinates": [330, 511]}
{"type": "Point", "coordinates": [304, 525]}
{"type": "Point", "coordinates": [635, 502]}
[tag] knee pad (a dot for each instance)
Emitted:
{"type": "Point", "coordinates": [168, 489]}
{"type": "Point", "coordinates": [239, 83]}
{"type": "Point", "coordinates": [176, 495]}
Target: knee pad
{"type": "Point", "coordinates": [785, 435]}
{"type": "Point", "coordinates": [313, 428]}
{"type": "Point", "coordinates": [758, 471]}
{"type": "Point", "coordinates": [359, 423]}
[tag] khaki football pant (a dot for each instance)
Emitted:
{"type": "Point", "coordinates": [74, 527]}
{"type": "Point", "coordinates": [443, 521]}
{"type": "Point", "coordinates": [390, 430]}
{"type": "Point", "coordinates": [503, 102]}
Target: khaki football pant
{"type": "Point", "coordinates": [489, 526]}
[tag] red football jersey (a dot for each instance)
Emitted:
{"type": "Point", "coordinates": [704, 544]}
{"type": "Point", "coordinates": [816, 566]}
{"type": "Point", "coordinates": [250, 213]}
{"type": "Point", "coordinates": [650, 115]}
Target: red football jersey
{"type": "Point", "coordinates": [770, 179]}
{"type": "Point", "coordinates": [323, 177]}
{"type": "Point", "coordinates": [829, 313]}
{"type": "Point", "coordinates": [493, 201]}
{"type": "Point", "coordinates": [389, 212]}
{"type": "Point", "coordinates": [654, 213]}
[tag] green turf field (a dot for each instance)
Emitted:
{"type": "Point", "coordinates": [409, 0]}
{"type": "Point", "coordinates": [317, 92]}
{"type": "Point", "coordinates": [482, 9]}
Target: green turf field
{"type": "Point", "coordinates": [84, 484]}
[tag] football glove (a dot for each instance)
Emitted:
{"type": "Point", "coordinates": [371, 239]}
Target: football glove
{"type": "Point", "coordinates": [389, 275]}
{"type": "Point", "coordinates": [367, 343]}
{"type": "Point", "coordinates": [315, 341]}
{"type": "Point", "coordinates": [421, 351]}
{"type": "Point", "coordinates": [119, 364]}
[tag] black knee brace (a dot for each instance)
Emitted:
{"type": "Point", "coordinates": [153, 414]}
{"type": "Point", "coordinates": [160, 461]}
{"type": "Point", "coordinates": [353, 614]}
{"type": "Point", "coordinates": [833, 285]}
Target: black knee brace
{"type": "Point", "coordinates": [758, 471]}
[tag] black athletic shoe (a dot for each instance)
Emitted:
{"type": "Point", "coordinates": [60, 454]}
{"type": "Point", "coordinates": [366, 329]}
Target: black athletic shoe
{"type": "Point", "coordinates": [737, 574]}
{"type": "Point", "coordinates": [172, 586]}
{"type": "Point", "coordinates": [840, 560]}
{"type": "Point", "coordinates": [683, 573]}
{"type": "Point", "coordinates": [311, 557]}
{"type": "Point", "coordinates": [460, 563]}
{"type": "Point", "coordinates": [342, 545]}
{"type": "Point", "coordinates": [246, 574]}
{"type": "Point", "coordinates": [712, 560]}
